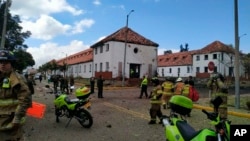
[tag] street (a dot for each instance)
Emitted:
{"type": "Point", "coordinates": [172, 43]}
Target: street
{"type": "Point", "coordinates": [119, 116]}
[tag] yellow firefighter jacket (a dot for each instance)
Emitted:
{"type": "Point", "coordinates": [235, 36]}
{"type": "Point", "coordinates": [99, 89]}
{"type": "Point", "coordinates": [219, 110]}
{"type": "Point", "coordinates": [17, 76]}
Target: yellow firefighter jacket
{"type": "Point", "coordinates": [14, 100]}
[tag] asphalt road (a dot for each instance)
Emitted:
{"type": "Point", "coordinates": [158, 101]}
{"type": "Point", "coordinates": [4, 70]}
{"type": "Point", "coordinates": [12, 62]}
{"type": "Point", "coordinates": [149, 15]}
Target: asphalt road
{"type": "Point", "coordinates": [119, 116]}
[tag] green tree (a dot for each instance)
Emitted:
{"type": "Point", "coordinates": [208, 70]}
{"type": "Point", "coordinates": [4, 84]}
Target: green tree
{"type": "Point", "coordinates": [15, 37]}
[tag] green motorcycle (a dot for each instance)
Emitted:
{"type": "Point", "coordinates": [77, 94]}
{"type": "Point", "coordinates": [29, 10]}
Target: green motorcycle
{"type": "Point", "coordinates": [74, 108]}
{"type": "Point", "coordinates": [177, 128]}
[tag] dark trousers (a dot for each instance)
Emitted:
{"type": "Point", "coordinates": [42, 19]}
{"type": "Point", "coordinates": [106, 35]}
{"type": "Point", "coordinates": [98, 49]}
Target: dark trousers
{"type": "Point", "coordinates": [144, 89]}
{"type": "Point", "coordinates": [155, 111]}
{"type": "Point", "coordinates": [92, 88]}
{"type": "Point", "coordinates": [100, 89]}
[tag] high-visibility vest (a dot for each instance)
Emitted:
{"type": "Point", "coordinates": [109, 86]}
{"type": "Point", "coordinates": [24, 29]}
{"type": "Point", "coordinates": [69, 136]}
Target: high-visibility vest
{"type": "Point", "coordinates": [144, 81]}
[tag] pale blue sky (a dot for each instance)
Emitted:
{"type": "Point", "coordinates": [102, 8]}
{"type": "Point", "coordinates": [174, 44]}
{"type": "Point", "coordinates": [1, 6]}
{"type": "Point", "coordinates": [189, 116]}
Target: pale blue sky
{"type": "Point", "coordinates": [67, 26]}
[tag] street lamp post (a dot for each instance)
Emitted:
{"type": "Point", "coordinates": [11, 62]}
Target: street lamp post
{"type": "Point", "coordinates": [125, 50]}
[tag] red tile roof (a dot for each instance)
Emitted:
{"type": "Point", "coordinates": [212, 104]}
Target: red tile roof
{"type": "Point", "coordinates": [216, 46]}
{"type": "Point", "coordinates": [132, 37]}
{"type": "Point", "coordinates": [80, 57]}
{"type": "Point", "coordinates": [176, 59]}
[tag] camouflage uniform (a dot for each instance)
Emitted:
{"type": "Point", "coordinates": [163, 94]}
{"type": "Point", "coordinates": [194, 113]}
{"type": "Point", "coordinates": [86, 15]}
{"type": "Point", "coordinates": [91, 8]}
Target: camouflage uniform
{"type": "Point", "coordinates": [218, 88]}
{"type": "Point", "coordinates": [14, 101]}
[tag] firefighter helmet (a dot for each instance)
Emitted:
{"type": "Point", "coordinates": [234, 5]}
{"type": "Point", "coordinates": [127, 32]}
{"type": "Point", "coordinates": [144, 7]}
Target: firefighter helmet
{"type": "Point", "coordinates": [6, 55]}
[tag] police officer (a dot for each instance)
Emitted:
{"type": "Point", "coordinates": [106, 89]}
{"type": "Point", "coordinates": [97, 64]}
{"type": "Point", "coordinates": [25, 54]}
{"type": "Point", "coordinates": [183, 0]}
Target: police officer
{"type": "Point", "coordinates": [218, 88]}
{"type": "Point", "coordinates": [144, 87]}
{"type": "Point", "coordinates": [14, 99]}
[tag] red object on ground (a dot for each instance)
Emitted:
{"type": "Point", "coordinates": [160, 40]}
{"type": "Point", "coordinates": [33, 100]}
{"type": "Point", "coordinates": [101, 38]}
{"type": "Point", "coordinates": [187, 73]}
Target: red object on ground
{"type": "Point", "coordinates": [37, 110]}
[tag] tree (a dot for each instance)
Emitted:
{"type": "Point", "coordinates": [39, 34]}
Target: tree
{"type": "Point", "coordinates": [15, 38]}
{"type": "Point", "coordinates": [24, 59]}
{"type": "Point", "coordinates": [246, 63]}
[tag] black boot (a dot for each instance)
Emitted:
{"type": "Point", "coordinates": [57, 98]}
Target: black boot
{"type": "Point", "coordinates": [152, 122]}
{"type": "Point", "coordinates": [164, 106]}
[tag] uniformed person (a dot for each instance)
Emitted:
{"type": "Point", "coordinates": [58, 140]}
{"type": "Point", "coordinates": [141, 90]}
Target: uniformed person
{"type": "Point", "coordinates": [155, 100]}
{"type": "Point", "coordinates": [168, 89]}
{"type": "Point", "coordinates": [14, 99]}
{"type": "Point", "coordinates": [218, 88]}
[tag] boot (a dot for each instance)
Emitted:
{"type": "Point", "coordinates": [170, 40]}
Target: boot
{"type": "Point", "coordinates": [152, 122]}
{"type": "Point", "coordinates": [164, 106]}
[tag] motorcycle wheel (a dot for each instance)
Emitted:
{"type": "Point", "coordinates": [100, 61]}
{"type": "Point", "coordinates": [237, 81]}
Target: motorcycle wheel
{"type": "Point", "coordinates": [85, 118]}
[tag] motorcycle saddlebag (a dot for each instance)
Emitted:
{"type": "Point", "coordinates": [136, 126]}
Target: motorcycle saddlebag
{"type": "Point", "coordinates": [181, 104]}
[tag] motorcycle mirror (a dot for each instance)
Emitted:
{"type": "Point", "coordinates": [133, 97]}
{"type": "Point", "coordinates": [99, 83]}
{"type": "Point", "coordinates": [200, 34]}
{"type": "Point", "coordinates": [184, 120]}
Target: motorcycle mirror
{"type": "Point", "coordinates": [216, 102]}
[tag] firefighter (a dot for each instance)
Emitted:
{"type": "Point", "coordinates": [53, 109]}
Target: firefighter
{"type": "Point", "coordinates": [186, 87]}
{"type": "Point", "coordinates": [155, 100]}
{"type": "Point", "coordinates": [167, 87]}
{"type": "Point", "coordinates": [178, 88]}
{"type": "Point", "coordinates": [218, 88]}
{"type": "Point", "coordinates": [14, 99]}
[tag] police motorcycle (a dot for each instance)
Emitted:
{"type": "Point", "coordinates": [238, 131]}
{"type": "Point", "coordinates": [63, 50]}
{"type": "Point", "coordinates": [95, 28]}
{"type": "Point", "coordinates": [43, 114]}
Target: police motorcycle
{"type": "Point", "coordinates": [177, 128]}
{"type": "Point", "coordinates": [74, 108]}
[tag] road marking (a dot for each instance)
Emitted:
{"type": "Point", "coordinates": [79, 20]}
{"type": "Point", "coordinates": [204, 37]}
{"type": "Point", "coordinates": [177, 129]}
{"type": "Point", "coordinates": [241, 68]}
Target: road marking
{"type": "Point", "coordinates": [122, 109]}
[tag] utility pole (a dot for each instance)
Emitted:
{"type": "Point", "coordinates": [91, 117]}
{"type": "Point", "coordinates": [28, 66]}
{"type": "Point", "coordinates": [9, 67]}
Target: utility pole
{"type": "Point", "coordinates": [237, 79]}
{"type": "Point", "coordinates": [4, 24]}
{"type": "Point", "coordinates": [125, 51]}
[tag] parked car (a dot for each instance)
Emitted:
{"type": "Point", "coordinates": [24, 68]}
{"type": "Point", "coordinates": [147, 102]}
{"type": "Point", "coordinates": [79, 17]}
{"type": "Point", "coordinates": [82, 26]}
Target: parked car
{"type": "Point", "coordinates": [36, 77]}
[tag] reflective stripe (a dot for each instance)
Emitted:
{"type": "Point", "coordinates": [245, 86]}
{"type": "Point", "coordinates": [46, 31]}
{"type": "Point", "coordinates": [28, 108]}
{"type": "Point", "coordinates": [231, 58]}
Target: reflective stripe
{"type": "Point", "coordinates": [8, 102]}
{"type": "Point", "coordinates": [186, 90]}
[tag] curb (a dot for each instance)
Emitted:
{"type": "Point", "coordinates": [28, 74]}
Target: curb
{"type": "Point", "coordinates": [229, 112]}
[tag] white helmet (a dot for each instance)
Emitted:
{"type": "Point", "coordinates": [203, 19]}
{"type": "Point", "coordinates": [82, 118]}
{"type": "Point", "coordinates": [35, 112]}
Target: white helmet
{"type": "Point", "coordinates": [179, 79]}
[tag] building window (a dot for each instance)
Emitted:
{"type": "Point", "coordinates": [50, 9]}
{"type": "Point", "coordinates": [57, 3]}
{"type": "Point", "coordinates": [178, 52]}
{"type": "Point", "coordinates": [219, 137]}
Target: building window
{"type": "Point", "coordinates": [107, 66]}
{"type": "Point", "coordinates": [205, 57]}
{"type": "Point", "coordinates": [197, 58]}
{"type": "Point", "coordinates": [179, 70]}
{"type": "Point", "coordinates": [162, 72]}
{"type": "Point", "coordinates": [214, 56]}
{"type": "Point", "coordinates": [215, 69]}
{"type": "Point", "coordinates": [84, 68]}
{"type": "Point", "coordinates": [107, 47]}
{"type": "Point", "coordinates": [100, 67]}
{"type": "Point", "coordinates": [206, 69]}
{"type": "Point", "coordinates": [188, 69]}
{"type": "Point", "coordinates": [170, 70]}
{"type": "Point", "coordinates": [95, 67]}
{"type": "Point", "coordinates": [96, 50]}
{"type": "Point", "coordinates": [80, 68]}
{"type": "Point", "coordinates": [197, 69]}
{"type": "Point", "coordinates": [90, 67]}
{"type": "Point", "coordinates": [101, 49]}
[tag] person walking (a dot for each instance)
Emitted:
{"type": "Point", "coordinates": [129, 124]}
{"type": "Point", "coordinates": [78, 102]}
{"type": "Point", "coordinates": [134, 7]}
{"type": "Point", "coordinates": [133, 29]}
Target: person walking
{"type": "Point", "coordinates": [40, 78]}
{"type": "Point", "coordinates": [178, 88]}
{"type": "Point", "coordinates": [218, 88]}
{"type": "Point", "coordinates": [30, 85]}
{"type": "Point", "coordinates": [100, 86]}
{"type": "Point", "coordinates": [155, 101]}
{"type": "Point", "coordinates": [144, 87]}
{"type": "Point", "coordinates": [92, 85]}
{"type": "Point", "coordinates": [14, 99]}
{"type": "Point", "coordinates": [168, 89]}
{"type": "Point", "coordinates": [71, 83]}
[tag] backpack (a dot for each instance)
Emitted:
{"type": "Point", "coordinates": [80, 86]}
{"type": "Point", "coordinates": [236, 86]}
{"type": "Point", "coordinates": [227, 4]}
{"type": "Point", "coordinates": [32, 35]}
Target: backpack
{"type": "Point", "coordinates": [193, 94]}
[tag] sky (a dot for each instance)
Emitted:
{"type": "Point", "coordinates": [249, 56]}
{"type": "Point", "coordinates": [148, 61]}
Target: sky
{"type": "Point", "coordinates": [63, 27]}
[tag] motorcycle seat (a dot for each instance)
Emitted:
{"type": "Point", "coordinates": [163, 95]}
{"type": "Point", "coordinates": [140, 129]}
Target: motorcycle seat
{"type": "Point", "coordinates": [186, 130]}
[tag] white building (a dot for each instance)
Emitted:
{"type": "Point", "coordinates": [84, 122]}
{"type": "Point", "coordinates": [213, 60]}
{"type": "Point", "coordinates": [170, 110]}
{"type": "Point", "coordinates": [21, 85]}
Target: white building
{"type": "Point", "coordinates": [141, 54]}
{"type": "Point", "coordinates": [195, 63]}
